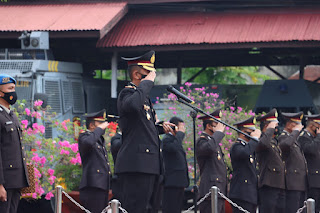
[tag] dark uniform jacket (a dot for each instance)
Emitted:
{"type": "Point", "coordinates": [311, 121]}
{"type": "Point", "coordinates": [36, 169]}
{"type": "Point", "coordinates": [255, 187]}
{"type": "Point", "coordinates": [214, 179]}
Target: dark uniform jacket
{"type": "Point", "coordinates": [213, 170]}
{"type": "Point", "coordinates": [116, 142]}
{"type": "Point", "coordinates": [296, 169]}
{"type": "Point", "coordinates": [244, 182]}
{"type": "Point", "coordinates": [311, 148]}
{"type": "Point", "coordinates": [13, 173]}
{"type": "Point", "coordinates": [140, 150]}
{"type": "Point", "coordinates": [269, 161]}
{"type": "Point", "coordinates": [174, 156]}
{"type": "Point", "coordinates": [94, 157]}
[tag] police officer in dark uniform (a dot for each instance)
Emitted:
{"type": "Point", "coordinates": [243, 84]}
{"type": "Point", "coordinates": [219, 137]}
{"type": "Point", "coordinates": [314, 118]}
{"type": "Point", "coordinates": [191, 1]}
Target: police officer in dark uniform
{"type": "Point", "coordinates": [176, 168]}
{"type": "Point", "coordinates": [309, 140]}
{"type": "Point", "coordinates": [213, 170]}
{"type": "Point", "coordinates": [243, 186]}
{"type": "Point", "coordinates": [116, 142]}
{"type": "Point", "coordinates": [95, 180]}
{"type": "Point", "coordinates": [13, 173]}
{"type": "Point", "coordinates": [296, 169]}
{"type": "Point", "coordinates": [139, 162]}
{"type": "Point", "coordinates": [271, 178]}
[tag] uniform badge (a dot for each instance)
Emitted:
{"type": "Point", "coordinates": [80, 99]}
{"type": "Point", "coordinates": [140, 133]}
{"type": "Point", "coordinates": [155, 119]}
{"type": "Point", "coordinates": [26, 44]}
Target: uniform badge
{"type": "Point", "coordinates": [146, 107]}
{"type": "Point", "coordinates": [251, 160]}
{"type": "Point", "coordinates": [153, 59]}
{"type": "Point", "coordinates": [243, 143]}
{"type": "Point", "coordinates": [219, 157]}
{"type": "Point", "coordinates": [301, 133]}
{"type": "Point", "coordinates": [148, 116]}
{"type": "Point", "coordinates": [5, 80]}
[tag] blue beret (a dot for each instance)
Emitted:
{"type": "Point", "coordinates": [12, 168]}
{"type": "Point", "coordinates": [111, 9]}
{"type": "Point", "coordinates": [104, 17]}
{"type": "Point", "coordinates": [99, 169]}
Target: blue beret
{"type": "Point", "coordinates": [6, 79]}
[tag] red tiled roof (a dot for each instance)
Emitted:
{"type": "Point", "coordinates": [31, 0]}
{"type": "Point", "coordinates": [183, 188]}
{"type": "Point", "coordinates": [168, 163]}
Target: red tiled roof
{"type": "Point", "coordinates": [311, 73]}
{"type": "Point", "coordinates": [61, 17]}
{"type": "Point", "coordinates": [213, 28]}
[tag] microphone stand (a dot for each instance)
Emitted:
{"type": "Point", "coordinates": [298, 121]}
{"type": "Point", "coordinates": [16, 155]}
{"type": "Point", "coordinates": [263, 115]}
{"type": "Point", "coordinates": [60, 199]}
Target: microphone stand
{"type": "Point", "coordinates": [215, 119]}
{"type": "Point", "coordinates": [193, 114]}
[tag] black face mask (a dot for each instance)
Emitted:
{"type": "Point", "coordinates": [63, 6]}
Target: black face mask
{"type": "Point", "coordinates": [142, 76]}
{"type": "Point", "coordinates": [276, 131]}
{"type": "Point", "coordinates": [248, 133]}
{"type": "Point", "coordinates": [10, 97]}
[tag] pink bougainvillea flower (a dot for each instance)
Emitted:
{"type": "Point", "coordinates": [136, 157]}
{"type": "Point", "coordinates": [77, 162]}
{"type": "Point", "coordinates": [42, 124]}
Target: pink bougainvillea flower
{"type": "Point", "coordinates": [50, 172]}
{"type": "Point", "coordinates": [64, 152]}
{"type": "Point", "coordinates": [74, 147]}
{"type": "Point", "coordinates": [49, 196]}
{"type": "Point", "coordinates": [27, 111]}
{"type": "Point", "coordinates": [24, 123]}
{"type": "Point", "coordinates": [188, 84]}
{"type": "Point", "coordinates": [38, 103]}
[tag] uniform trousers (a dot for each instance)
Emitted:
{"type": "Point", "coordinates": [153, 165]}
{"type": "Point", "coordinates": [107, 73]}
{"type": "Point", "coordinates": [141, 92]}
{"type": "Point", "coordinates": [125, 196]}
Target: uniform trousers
{"type": "Point", "coordinates": [294, 200]}
{"type": "Point", "coordinates": [272, 200]}
{"type": "Point", "coordinates": [137, 192]}
{"type": "Point", "coordinates": [13, 199]}
{"type": "Point", "coordinates": [94, 199]}
{"type": "Point", "coordinates": [315, 194]}
{"type": "Point", "coordinates": [172, 199]}
{"type": "Point", "coordinates": [245, 205]}
{"type": "Point", "coordinates": [205, 206]}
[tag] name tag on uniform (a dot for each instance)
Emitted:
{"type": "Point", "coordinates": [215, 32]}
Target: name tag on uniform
{"type": "Point", "coordinates": [8, 122]}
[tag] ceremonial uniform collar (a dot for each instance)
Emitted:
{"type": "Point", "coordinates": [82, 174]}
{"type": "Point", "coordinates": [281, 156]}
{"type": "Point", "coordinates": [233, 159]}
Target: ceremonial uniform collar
{"type": "Point", "coordinates": [308, 133]}
{"type": "Point", "coordinates": [132, 84]}
{"type": "Point", "coordinates": [286, 132]}
{"type": "Point", "coordinates": [243, 142]}
{"type": "Point", "coordinates": [5, 108]}
{"type": "Point", "coordinates": [210, 136]}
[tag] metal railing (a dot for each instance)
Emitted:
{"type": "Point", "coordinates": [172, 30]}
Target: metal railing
{"type": "Point", "coordinates": [113, 207]}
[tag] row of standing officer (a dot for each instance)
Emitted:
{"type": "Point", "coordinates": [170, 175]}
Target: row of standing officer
{"type": "Point", "coordinates": [281, 182]}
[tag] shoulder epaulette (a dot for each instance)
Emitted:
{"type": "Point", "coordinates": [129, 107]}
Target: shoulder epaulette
{"type": "Point", "coordinates": [283, 133]}
{"type": "Point", "coordinates": [202, 136]}
{"type": "Point", "coordinates": [130, 87]}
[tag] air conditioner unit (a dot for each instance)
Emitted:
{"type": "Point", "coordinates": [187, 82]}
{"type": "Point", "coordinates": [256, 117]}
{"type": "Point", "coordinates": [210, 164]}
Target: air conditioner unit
{"type": "Point", "coordinates": [35, 40]}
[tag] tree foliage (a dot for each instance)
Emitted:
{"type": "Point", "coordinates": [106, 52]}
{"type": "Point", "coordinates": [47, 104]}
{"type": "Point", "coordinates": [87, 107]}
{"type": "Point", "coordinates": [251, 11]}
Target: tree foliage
{"type": "Point", "coordinates": [225, 75]}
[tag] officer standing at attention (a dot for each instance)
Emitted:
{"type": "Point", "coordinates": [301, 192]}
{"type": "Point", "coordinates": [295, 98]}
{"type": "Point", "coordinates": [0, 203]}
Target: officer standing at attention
{"type": "Point", "coordinates": [139, 162]}
{"type": "Point", "coordinates": [296, 169]}
{"type": "Point", "coordinates": [309, 140]}
{"type": "Point", "coordinates": [95, 180]}
{"type": "Point", "coordinates": [13, 173]}
{"type": "Point", "coordinates": [243, 186]}
{"type": "Point", "coordinates": [213, 170]}
{"type": "Point", "coordinates": [271, 179]}
{"type": "Point", "coordinates": [116, 142]}
{"type": "Point", "coordinates": [176, 168]}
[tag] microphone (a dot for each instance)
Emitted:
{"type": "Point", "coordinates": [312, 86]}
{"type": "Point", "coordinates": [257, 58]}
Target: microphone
{"type": "Point", "coordinates": [179, 94]}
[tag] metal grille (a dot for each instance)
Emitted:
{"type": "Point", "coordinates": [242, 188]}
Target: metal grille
{"type": "Point", "coordinates": [16, 65]}
{"type": "Point", "coordinates": [52, 89]}
{"type": "Point", "coordinates": [2, 54]}
{"type": "Point", "coordinates": [48, 132]}
{"type": "Point", "coordinates": [67, 96]}
{"type": "Point", "coordinates": [78, 97]}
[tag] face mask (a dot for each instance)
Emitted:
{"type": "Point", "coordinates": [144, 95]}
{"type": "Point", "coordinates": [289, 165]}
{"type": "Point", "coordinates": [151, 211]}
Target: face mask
{"type": "Point", "coordinates": [248, 133]}
{"type": "Point", "coordinates": [142, 76]}
{"type": "Point", "coordinates": [10, 97]}
{"type": "Point", "coordinates": [276, 131]}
